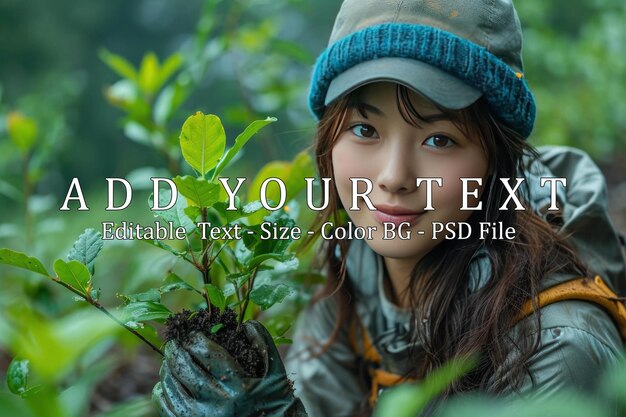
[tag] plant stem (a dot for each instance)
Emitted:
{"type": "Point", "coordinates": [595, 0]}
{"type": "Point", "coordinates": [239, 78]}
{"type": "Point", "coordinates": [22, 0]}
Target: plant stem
{"type": "Point", "coordinates": [105, 311]}
{"type": "Point", "coordinates": [249, 290]}
{"type": "Point", "coordinates": [206, 276]}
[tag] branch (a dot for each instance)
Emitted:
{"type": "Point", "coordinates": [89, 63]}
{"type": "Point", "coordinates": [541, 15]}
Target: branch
{"type": "Point", "coordinates": [105, 311]}
{"type": "Point", "coordinates": [206, 268]}
{"type": "Point", "coordinates": [245, 305]}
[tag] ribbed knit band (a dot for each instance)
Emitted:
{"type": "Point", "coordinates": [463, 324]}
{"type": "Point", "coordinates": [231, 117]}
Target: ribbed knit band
{"type": "Point", "coordinates": [506, 91]}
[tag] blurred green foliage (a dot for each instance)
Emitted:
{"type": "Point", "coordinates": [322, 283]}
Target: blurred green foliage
{"type": "Point", "coordinates": [574, 62]}
{"type": "Point", "coordinates": [100, 89]}
{"type": "Point", "coordinates": [424, 398]}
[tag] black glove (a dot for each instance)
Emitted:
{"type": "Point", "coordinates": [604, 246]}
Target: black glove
{"type": "Point", "coordinates": [201, 379]}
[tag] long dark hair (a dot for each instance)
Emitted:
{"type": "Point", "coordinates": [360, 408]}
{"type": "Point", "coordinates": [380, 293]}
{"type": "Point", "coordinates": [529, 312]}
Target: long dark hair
{"type": "Point", "coordinates": [456, 320]}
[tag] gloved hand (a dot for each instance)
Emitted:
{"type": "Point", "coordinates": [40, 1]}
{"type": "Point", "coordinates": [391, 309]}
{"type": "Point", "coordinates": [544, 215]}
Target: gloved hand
{"type": "Point", "coordinates": [201, 379]}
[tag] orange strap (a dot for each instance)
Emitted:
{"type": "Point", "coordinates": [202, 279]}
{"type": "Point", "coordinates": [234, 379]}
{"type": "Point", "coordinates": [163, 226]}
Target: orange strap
{"type": "Point", "coordinates": [595, 291]}
{"type": "Point", "coordinates": [379, 377]}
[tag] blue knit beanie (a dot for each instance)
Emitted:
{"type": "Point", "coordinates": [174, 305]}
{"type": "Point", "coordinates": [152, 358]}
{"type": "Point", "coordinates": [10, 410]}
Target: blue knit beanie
{"type": "Point", "coordinates": [429, 46]}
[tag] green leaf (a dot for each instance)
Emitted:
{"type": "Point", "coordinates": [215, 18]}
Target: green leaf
{"type": "Point", "coordinates": [135, 407]}
{"type": "Point", "coordinates": [257, 260]}
{"type": "Point", "coordinates": [229, 289]}
{"type": "Point", "coordinates": [125, 95]}
{"type": "Point", "coordinates": [95, 294]}
{"type": "Point", "coordinates": [169, 67]}
{"type": "Point", "coordinates": [55, 345]}
{"type": "Point", "coordinates": [10, 191]}
{"type": "Point", "coordinates": [239, 278]}
{"type": "Point", "coordinates": [174, 283]}
{"type": "Point", "coordinates": [216, 296]}
{"type": "Point", "coordinates": [565, 403]}
{"type": "Point", "coordinates": [240, 141]}
{"type": "Point", "coordinates": [17, 376]}
{"type": "Point", "coordinates": [152, 295]}
{"type": "Point", "coordinates": [73, 273]}
{"type": "Point", "coordinates": [22, 130]}
{"type": "Point", "coordinates": [241, 212]}
{"type": "Point", "coordinates": [198, 191]}
{"type": "Point", "coordinates": [21, 260]}
{"type": "Point", "coordinates": [216, 328]}
{"type": "Point", "coordinates": [409, 399]}
{"type": "Point", "coordinates": [118, 64]}
{"type": "Point", "coordinates": [149, 73]}
{"type": "Point", "coordinates": [86, 248]}
{"type": "Point", "coordinates": [145, 311]}
{"type": "Point", "coordinates": [266, 295]}
{"type": "Point", "coordinates": [168, 101]}
{"type": "Point", "coordinates": [283, 341]}
{"type": "Point", "coordinates": [202, 141]}
{"type": "Point", "coordinates": [176, 214]}
{"type": "Point", "coordinates": [291, 173]}
{"type": "Point", "coordinates": [193, 212]}
{"type": "Point", "coordinates": [279, 325]}
{"type": "Point", "coordinates": [159, 244]}
{"type": "Point", "coordinates": [278, 219]}
{"type": "Point", "coordinates": [138, 133]}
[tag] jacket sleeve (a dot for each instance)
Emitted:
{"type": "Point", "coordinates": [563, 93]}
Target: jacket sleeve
{"type": "Point", "coordinates": [578, 343]}
{"type": "Point", "coordinates": [327, 382]}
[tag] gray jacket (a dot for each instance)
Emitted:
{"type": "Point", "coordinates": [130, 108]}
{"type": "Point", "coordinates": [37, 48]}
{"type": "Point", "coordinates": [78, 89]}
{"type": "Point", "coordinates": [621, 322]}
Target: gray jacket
{"type": "Point", "coordinates": [578, 339]}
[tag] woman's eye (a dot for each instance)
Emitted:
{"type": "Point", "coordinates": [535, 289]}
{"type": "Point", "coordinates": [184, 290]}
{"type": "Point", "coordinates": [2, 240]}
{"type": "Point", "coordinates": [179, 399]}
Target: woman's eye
{"type": "Point", "coordinates": [439, 141]}
{"type": "Point", "coordinates": [364, 131]}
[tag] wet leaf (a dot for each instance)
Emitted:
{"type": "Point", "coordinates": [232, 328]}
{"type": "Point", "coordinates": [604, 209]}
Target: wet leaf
{"type": "Point", "coordinates": [174, 283]}
{"type": "Point", "coordinates": [145, 311]}
{"type": "Point", "coordinates": [266, 295]}
{"type": "Point", "coordinates": [17, 376]}
{"type": "Point", "coordinates": [216, 296]}
{"type": "Point", "coordinates": [257, 260]}
{"type": "Point", "coordinates": [86, 248]}
{"type": "Point", "coordinates": [176, 214]}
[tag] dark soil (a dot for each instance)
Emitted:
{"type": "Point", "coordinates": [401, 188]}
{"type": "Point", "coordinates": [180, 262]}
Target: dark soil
{"type": "Point", "coordinates": [230, 336]}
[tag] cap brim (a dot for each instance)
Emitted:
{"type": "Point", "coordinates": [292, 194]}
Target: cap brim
{"type": "Point", "coordinates": [433, 83]}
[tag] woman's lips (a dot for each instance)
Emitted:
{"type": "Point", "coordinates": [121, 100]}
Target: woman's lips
{"type": "Point", "coordinates": [396, 215]}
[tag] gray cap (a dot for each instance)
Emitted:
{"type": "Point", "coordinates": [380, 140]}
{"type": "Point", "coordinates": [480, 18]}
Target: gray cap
{"type": "Point", "coordinates": [491, 24]}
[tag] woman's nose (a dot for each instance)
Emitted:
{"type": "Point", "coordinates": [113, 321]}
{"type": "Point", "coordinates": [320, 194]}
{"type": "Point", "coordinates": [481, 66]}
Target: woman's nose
{"type": "Point", "coordinates": [396, 174]}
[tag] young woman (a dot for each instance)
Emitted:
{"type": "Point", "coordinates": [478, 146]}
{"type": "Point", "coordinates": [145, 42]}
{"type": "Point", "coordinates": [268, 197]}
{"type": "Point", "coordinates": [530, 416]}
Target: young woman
{"type": "Point", "coordinates": [428, 101]}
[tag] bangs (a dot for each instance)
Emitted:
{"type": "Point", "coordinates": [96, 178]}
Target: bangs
{"type": "Point", "coordinates": [466, 120]}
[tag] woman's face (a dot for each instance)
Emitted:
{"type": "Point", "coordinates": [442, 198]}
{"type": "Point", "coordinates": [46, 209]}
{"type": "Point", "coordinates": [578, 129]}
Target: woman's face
{"type": "Point", "coordinates": [381, 146]}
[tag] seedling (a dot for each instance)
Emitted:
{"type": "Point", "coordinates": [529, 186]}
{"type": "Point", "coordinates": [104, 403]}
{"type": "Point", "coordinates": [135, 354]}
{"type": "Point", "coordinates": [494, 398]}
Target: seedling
{"type": "Point", "coordinates": [229, 268]}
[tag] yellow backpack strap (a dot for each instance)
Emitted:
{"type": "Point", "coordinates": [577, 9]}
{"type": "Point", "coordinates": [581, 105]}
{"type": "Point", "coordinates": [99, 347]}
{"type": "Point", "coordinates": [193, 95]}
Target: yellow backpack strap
{"type": "Point", "coordinates": [379, 377]}
{"type": "Point", "coordinates": [367, 351]}
{"type": "Point", "coordinates": [595, 291]}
